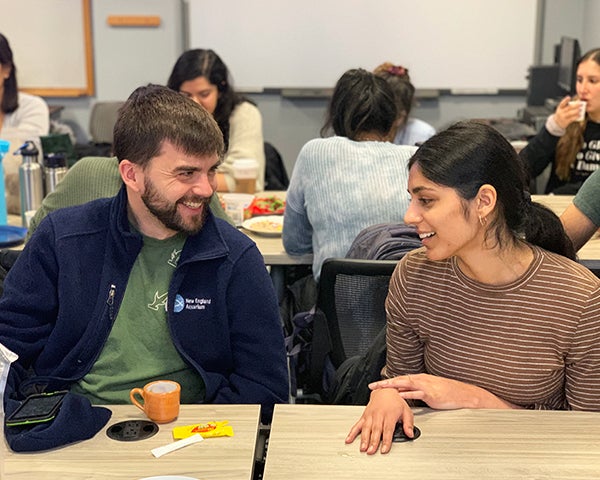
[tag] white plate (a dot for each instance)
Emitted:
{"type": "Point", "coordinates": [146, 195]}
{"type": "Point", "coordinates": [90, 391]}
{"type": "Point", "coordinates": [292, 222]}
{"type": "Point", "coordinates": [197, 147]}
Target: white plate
{"type": "Point", "coordinates": [267, 225]}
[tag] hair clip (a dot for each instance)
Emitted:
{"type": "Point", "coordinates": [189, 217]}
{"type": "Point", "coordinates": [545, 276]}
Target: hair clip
{"type": "Point", "coordinates": [398, 70]}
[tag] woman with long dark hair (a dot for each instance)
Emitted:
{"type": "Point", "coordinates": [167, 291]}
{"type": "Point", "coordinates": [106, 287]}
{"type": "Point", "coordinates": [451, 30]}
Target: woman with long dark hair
{"type": "Point", "coordinates": [21, 114]}
{"type": "Point", "coordinates": [201, 75]}
{"type": "Point", "coordinates": [493, 311]}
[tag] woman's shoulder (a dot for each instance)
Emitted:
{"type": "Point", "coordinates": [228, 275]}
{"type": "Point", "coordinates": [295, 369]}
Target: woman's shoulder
{"type": "Point", "coordinates": [244, 110]}
{"type": "Point", "coordinates": [27, 100]}
{"type": "Point", "coordinates": [566, 268]}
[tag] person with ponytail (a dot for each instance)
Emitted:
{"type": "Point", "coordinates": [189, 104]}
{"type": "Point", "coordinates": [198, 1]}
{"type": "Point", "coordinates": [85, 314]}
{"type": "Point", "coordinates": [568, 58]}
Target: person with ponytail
{"type": "Point", "coordinates": [407, 130]}
{"type": "Point", "coordinates": [571, 146]}
{"type": "Point", "coordinates": [493, 311]}
{"type": "Point", "coordinates": [201, 75]}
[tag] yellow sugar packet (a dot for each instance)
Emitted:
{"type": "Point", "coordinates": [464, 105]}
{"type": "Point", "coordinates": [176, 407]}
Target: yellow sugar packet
{"type": "Point", "coordinates": [206, 430]}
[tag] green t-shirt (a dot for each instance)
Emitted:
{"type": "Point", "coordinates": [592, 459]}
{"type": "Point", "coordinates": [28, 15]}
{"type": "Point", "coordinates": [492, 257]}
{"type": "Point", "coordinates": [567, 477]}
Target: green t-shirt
{"type": "Point", "coordinates": [139, 348]}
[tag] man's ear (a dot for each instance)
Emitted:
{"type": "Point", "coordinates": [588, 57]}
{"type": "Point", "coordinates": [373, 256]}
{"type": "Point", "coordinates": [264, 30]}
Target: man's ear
{"type": "Point", "coordinates": [131, 174]}
{"type": "Point", "coordinates": [486, 200]}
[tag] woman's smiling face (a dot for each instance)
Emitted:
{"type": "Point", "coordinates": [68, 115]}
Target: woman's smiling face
{"type": "Point", "coordinates": [447, 224]}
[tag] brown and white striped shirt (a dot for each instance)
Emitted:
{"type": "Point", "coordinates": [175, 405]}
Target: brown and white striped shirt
{"type": "Point", "coordinates": [534, 342]}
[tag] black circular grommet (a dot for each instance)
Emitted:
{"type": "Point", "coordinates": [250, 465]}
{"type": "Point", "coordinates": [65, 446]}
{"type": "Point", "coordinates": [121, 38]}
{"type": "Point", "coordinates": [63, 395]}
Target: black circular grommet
{"type": "Point", "coordinates": [132, 430]}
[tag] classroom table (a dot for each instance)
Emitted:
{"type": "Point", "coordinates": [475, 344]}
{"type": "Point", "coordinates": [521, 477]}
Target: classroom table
{"type": "Point", "coordinates": [273, 252]}
{"type": "Point", "coordinates": [271, 247]}
{"type": "Point", "coordinates": [103, 458]}
{"type": "Point", "coordinates": [307, 442]}
{"type": "Point", "coordinates": [589, 254]}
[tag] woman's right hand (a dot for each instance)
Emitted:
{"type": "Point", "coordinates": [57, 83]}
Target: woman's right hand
{"type": "Point", "coordinates": [378, 421]}
{"type": "Point", "coordinates": [566, 114]}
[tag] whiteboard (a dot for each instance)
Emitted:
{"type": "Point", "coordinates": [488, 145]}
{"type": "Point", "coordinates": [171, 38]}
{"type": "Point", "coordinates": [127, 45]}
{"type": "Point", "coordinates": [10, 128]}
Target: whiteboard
{"type": "Point", "coordinates": [464, 45]}
{"type": "Point", "coordinates": [51, 44]}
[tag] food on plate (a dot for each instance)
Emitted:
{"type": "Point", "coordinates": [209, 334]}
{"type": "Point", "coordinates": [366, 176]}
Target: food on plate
{"type": "Point", "coordinates": [267, 226]}
{"type": "Point", "coordinates": [271, 205]}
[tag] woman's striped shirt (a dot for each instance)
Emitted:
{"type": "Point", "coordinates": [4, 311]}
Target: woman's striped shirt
{"type": "Point", "coordinates": [534, 342]}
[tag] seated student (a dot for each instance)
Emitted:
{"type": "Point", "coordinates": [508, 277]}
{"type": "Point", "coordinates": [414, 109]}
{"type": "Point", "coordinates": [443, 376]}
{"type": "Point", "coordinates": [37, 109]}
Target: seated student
{"type": "Point", "coordinates": [20, 113]}
{"type": "Point", "coordinates": [408, 130]}
{"type": "Point", "coordinates": [145, 285]}
{"type": "Point", "coordinates": [493, 312]}
{"type": "Point", "coordinates": [202, 76]}
{"type": "Point", "coordinates": [354, 179]}
{"type": "Point", "coordinates": [91, 178]}
{"type": "Point", "coordinates": [572, 147]}
{"type": "Point", "coordinates": [581, 219]}
{"type": "Point", "coordinates": [22, 117]}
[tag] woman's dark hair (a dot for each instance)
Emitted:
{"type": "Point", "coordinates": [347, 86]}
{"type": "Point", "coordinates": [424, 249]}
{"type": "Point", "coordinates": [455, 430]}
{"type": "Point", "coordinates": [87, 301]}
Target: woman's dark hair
{"type": "Point", "coordinates": [361, 102]}
{"type": "Point", "coordinates": [206, 63]}
{"type": "Point", "coordinates": [468, 155]}
{"type": "Point", "coordinates": [10, 98]}
{"type": "Point", "coordinates": [570, 143]}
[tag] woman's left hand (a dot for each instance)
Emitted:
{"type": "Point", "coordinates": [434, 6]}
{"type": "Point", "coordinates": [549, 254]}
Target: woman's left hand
{"type": "Point", "coordinates": [442, 393]}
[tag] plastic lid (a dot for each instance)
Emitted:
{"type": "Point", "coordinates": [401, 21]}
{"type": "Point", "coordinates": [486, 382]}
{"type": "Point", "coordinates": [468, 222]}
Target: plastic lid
{"type": "Point", "coordinates": [4, 146]}
{"type": "Point", "coordinates": [55, 160]}
{"type": "Point", "coordinates": [27, 149]}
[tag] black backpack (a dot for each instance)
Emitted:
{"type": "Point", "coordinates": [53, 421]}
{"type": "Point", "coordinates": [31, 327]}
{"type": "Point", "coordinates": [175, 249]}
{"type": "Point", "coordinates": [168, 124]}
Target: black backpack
{"type": "Point", "coordinates": [384, 241]}
{"type": "Point", "coordinates": [308, 347]}
{"type": "Point", "coordinates": [350, 385]}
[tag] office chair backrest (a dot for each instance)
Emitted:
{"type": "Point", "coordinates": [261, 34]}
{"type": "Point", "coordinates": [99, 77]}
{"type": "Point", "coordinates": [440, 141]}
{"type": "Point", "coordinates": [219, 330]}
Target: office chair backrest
{"type": "Point", "coordinates": [352, 296]}
{"type": "Point", "coordinates": [102, 121]}
{"type": "Point", "coordinates": [276, 177]}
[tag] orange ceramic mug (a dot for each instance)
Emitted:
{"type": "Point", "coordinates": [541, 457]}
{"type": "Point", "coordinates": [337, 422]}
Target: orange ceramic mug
{"type": "Point", "coordinates": [160, 400]}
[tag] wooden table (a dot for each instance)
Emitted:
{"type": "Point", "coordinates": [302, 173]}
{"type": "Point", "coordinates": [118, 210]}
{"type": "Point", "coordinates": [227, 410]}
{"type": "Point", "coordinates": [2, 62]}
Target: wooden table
{"type": "Point", "coordinates": [589, 254]}
{"type": "Point", "coordinates": [104, 458]}
{"type": "Point", "coordinates": [307, 442]}
{"type": "Point", "coordinates": [273, 252]}
{"type": "Point", "coordinates": [271, 247]}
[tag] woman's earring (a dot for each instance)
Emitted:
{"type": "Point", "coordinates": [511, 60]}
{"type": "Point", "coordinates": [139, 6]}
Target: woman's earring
{"type": "Point", "coordinates": [482, 221]}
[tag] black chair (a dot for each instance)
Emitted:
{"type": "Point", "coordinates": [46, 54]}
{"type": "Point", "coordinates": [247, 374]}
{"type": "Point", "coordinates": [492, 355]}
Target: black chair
{"type": "Point", "coordinates": [348, 316]}
{"type": "Point", "coordinates": [276, 177]}
{"type": "Point", "coordinates": [352, 296]}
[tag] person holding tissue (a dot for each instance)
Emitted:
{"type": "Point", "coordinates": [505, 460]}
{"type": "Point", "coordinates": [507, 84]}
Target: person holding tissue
{"type": "Point", "coordinates": [147, 285]}
{"type": "Point", "coordinates": [570, 145]}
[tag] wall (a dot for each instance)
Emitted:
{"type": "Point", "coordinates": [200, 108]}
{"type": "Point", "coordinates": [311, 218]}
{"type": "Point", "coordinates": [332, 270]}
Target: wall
{"type": "Point", "coordinates": [127, 57]}
{"type": "Point", "coordinates": [591, 36]}
{"type": "Point", "coordinates": [289, 123]}
{"type": "Point", "coordinates": [563, 17]}
{"type": "Point", "coordinates": [311, 43]}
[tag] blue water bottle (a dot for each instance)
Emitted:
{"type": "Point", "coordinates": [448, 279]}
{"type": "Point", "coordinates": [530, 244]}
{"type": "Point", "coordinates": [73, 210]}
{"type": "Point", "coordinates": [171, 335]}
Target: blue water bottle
{"type": "Point", "coordinates": [4, 145]}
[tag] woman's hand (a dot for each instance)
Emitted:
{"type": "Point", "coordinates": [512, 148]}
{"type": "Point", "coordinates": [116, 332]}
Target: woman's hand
{"type": "Point", "coordinates": [379, 419]}
{"type": "Point", "coordinates": [441, 393]}
{"type": "Point", "coordinates": [566, 114]}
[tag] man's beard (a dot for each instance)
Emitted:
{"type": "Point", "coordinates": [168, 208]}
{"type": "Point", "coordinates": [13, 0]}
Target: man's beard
{"type": "Point", "coordinates": [167, 213]}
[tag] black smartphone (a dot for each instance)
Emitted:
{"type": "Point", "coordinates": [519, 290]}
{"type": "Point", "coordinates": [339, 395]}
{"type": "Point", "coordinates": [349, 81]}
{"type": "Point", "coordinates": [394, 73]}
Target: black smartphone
{"type": "Point", "coordinates": [38, 408]}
